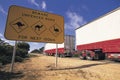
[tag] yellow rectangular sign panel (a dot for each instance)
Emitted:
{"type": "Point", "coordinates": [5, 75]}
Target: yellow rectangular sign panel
{"type": "Point", "coordinates": [25, 24]}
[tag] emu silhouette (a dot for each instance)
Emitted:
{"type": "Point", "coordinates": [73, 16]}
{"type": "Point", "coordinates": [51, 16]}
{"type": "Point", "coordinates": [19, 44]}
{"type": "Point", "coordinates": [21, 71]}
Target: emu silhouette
{"type": "Point", "coordinates": [56, 29]}
{"type": "Point", "coordinates": [38, 27]}
{"type": "Point", "coordinates": [19, 24]}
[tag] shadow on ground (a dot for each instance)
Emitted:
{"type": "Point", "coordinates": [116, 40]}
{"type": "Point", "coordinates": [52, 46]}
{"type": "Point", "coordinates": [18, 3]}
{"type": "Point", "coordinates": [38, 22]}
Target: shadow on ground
{"type": "Point", "coordinates": [8, 76]}
{"type": "Point", "coordinates": [80, 67]}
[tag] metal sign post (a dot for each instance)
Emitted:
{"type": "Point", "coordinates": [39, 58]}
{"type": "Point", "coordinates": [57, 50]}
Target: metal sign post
{"type": "Point", "coordinates": [56, 56]}
{"type": "Point", "coordinates": [13, 57]}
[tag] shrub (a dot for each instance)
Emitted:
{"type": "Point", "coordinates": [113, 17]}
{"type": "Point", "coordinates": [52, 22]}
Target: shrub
{"type": "Point", "coordinates": [19, 59]}
{"type": "Point", "coordinates": [6, 52]}
{"type": "Point", "coordinates": [75, 55]}
{"type": "Point", "coordinates": [5, 59]}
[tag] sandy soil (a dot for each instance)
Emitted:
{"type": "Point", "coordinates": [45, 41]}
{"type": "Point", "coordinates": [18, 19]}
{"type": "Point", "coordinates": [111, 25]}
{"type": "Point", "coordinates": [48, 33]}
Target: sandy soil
{"type": "Point", "coordinates": [43, 68]}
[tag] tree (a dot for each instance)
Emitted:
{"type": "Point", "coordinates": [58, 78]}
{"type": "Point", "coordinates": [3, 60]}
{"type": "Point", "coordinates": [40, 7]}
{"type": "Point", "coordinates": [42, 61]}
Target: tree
{"type": "Point", "coordinates": [6, 52]}
{"type": "Point", "coordinates": [22, 49]}
{"type": "Point", "coordinates": [23, 45]}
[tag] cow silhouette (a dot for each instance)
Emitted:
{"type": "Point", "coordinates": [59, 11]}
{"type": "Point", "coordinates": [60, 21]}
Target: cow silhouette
{"type": "Point", "coordinates": [56, 29]}
{"type": "Point", "coordinates": [38, 27]}
{"type": "Point", "coordinates": [19, 24]}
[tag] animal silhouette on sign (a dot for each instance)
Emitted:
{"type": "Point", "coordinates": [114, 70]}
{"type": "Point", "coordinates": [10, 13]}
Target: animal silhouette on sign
{"type": "Point", "coordinates": [56, 29]}
{"type": "Point", "coordinates": [19, 24]}
{"type": "Point", "coordinates": [38, 27]}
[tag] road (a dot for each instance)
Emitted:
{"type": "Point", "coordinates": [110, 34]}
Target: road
{"type": "Point", "coordinates": [41, 67]}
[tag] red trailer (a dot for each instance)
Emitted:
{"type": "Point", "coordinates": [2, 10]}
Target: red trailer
{"type": "Point", "coordinates": [100, 37]}
{"type": "Point", "coordinates": [64, 49]}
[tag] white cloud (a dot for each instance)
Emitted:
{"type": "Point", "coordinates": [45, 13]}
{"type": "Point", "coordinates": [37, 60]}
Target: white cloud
{"type": "Point", "coordinates": [8, 41]}
{"type": "Point", "coordinates": [43, 5]}
{"type": "Point", "coordinates": [1, 35]}
{"type": "Point", "coordinates": [75, 20]}
{"type": "Point", "coordinates": [2, 10]}
{"type": "Point", "coordinates": [34, 2]}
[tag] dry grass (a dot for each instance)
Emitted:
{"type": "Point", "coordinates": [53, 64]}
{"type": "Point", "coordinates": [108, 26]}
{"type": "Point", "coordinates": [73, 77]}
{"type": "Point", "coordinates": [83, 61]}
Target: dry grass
{"type": "Point", "coordinates": [43, 68]}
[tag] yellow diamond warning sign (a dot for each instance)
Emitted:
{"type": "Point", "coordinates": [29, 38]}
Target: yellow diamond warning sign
{"type": "Point", "coordinates": [24, 24]}
{"type": "Point", "coordinates": [38, 28]}
{"type": "Point", "coordinates": [18, 25]}
{"type": "Point", "coordinates": [55, 30]}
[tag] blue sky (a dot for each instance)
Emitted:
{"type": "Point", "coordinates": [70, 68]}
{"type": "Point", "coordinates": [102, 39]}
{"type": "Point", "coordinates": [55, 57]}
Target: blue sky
{"type": "Point", "coordinates": [75, 12]}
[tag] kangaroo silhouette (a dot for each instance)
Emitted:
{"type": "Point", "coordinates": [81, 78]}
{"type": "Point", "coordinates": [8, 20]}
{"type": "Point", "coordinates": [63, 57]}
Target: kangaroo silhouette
{"type": "Point", "coordinates": [38, 27]}
{"type": "Point", "coordinates": [56, 29]}
{"type": "Point", "coordinates": [19, 24]}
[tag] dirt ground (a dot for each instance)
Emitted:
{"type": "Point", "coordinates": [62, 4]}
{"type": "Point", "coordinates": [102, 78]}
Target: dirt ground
{"type": "Point", "coordinates": [42, 67]}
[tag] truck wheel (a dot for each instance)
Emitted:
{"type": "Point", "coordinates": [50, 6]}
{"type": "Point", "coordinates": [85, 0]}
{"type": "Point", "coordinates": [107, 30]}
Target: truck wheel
{"type": "Point", "coordinates": [90, 55]}
{"type": "Point", "coordinates": [81, 57]}
{"type": "Point", "coordinates": [89, 58]}
{"type": "Point", "coordinates": [62, 55]}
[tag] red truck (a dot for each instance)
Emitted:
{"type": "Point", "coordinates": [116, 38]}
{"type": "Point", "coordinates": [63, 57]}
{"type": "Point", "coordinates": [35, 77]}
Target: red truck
{"type": "Point", "coordinates": [100, 38]}
{"type": "Point", "coordinates": [64, 49]}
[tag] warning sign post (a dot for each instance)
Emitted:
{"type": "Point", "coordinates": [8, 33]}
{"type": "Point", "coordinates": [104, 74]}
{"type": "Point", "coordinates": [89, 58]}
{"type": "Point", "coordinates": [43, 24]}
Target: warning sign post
{"type": "Point", "coordinates": [25, 24]}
